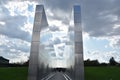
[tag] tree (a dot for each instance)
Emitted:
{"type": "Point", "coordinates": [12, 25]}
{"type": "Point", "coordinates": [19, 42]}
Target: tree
{"type": "Point", "coordinates": [112, 61]}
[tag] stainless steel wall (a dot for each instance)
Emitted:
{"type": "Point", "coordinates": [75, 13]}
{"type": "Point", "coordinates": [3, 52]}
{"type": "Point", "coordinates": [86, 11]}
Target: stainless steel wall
{"type": "Point", "coordinates": [40, 22]}
{"type": "Point", "coordinates": [38, 70]}
{"type": "Point", "coordinates": [79, 66]}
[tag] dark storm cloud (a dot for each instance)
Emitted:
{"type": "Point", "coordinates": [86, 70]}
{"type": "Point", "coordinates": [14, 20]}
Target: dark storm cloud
{"type": "Point", "coordinates": [61, 4]}
{"type": "Point", "coordinates": [62, 9]}
{"type": "Point", "coordinates": [96, 15]}
{"type": "Point", "coordinates": [12, 27]}
{"type": "Point", "coordinates": [99, 17]}
{"type": "Point", "coordinates": [13, 24]}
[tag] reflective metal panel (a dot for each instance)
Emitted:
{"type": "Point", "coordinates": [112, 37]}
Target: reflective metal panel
{"type": "Point", "coordinates": [36, 36]}
{"type": "Point", "coordinates": [39, 8]}
{"type": "Point", "coordinates": [79, 66]}
{"type": "Point", "coordinates": [78, 48]}
{"type": "Point", "coordinates": [44, 22]}
{"type": "Point", "coordinates": [78, 37]}
{"type": "Point", "coordinates": [77, 18]}
{"type": "Point", "coordinates": [34, 46]}
{"type": "Point", "coordinates": [37, 25]}
{"type": "Point", "coordinates": [39, 21]}
{"type": "Point", "coordinates": [54, 51]}
{"type": "Point", "coordinates": [38, 15]}
{"type": "Point", "coordinates": [77, 27]}
{"type": "Point", "coordinates": [77, 9]}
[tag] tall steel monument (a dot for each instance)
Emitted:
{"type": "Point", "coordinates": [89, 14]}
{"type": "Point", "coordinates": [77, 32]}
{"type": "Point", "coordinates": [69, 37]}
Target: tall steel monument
{"type": "Point", "coordinates": [58, 67]}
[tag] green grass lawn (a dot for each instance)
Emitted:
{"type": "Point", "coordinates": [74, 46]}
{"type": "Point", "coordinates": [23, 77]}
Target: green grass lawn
{"type": "Point", "coordinates": [13, 73]}
{"type": "Point", "coordinates": [102, 73]}
{"type": "Point", "coordinates": [91, 73]}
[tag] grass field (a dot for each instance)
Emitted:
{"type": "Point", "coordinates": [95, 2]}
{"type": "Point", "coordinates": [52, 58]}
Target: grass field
{"type": "Point", "coordinates": [13, 73]}
{"type": "Point", "coordinates": [91, 73]}
{"type": "Point", "coordinates": [102, 73]}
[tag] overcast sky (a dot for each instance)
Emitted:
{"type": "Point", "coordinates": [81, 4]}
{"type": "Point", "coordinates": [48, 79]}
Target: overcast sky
{"type": "Point", "coordinates": [100, 23]}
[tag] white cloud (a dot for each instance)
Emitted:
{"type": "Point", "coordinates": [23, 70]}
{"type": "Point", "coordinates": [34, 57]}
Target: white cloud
{"type": "Point", "coordinates": [59, 24]}
{"type": "Point", "coordinates": [2, 23]}
{"type": "Point", "coordinates": [86, 36]}
{"type": "Point", "coordinates": [114, 42]}
{"type": "Point", "coordinates": [17, 19]}
{"type": "Point", "coordinates": [116, 26]}
{"type": "Point", "coordinates": [13, 49]}
{"type": "Point", "coordinates": [27, 27]}
{"type": "Point", "coordinates": [19, 58]}
{"type": "Point", "coordinates": [100, 23]}
{"type": "Point", "coordinates": [20, 8]}
{"type": "Point", "coordinates": [100, 18]}
{"type": "Point", "coordinates": [102, 56]}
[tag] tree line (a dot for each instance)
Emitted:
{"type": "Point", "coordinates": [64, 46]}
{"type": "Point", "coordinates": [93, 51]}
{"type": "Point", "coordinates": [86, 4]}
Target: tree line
{"type": "Point", "coordinates": [87, 62]}
{"type": "Point", "coordinates": [112, 62]}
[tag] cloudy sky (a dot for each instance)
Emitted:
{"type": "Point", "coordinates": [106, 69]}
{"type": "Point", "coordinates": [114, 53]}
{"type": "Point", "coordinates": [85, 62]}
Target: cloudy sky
{"type": "Point", "coordinates": [100, 23]}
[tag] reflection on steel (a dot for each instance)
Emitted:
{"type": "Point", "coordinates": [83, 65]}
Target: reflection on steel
{"type": "Point", "coordinates": [40, 65]}
{"type": "Point", "coordinates": [57, 76]}
{"type": "Point", "coordinates": [40, 22]}
{"type": "Point", "coordinates": [79, 67]}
